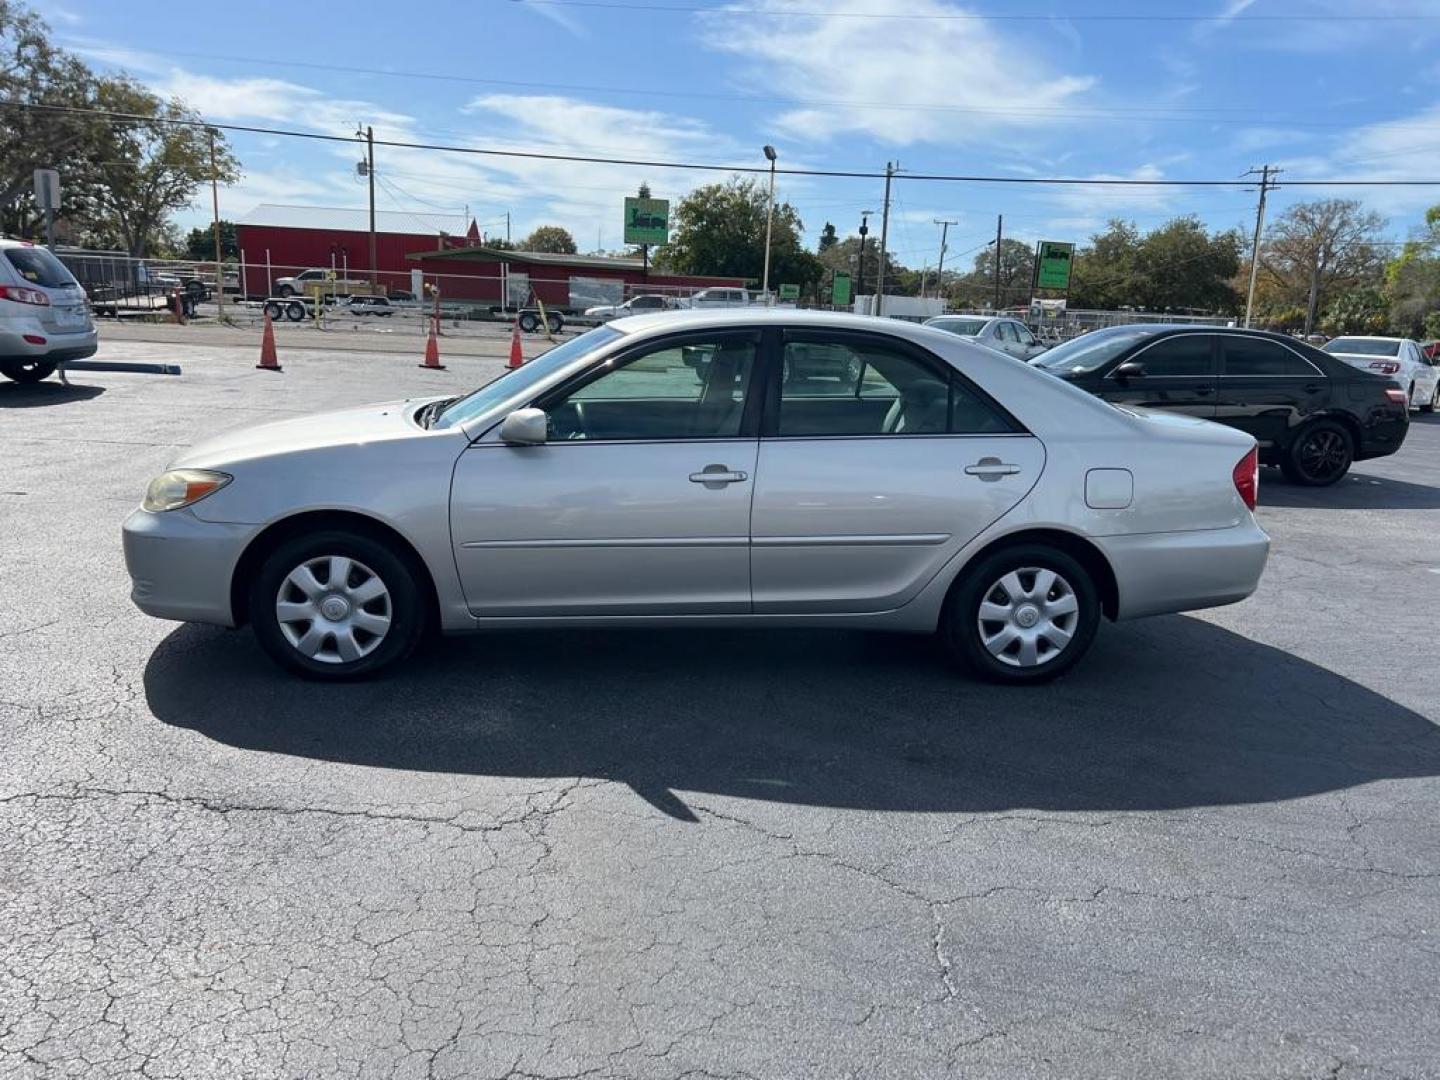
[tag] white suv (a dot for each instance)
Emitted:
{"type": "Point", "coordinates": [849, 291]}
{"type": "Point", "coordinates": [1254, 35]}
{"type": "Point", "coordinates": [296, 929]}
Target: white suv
{"type": "Point", "coordinates": [720, 297]}
{"type": "Point", "coordinates": [1400, 358]}
{"type": "Point", "coordinates": [44, 319]}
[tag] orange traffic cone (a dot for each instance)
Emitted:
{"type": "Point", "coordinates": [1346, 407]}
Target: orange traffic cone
{"type": "Point", "coordinates": [268, 362]}
{"type": "Point", "coordinates": [432, 353]}
{"type": "Point", "coordinates": [517, 358]}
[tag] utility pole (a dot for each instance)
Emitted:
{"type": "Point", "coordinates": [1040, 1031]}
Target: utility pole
{"type": "Point", "coordinates": [999, 235]}
{"type": "Point", "coordinates": [507, 226]}
{"type": "Point", "coordinates": [1266, 172]}
{"type": "Point", "coordinates": [370, 160]}
{"type": "Point", "coordinates": [890, 169]}
{"type": "Point", "coordinates": [940, 266]}
{"type": "Point", "coordinates": [215, 206]}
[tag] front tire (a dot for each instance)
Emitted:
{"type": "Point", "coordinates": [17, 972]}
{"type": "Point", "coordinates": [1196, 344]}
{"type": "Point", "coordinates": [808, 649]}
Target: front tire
{"type": "Point", "coordinates": [529, 323]}
{"type": "Point", "coordinates": [336, 605]}
{"type": "Point", "coordinates": [1319, 455]}
{"type": "Point", "coordinates": [1024, 614]}
{"type": "Point", "coordinates": [26, 371]}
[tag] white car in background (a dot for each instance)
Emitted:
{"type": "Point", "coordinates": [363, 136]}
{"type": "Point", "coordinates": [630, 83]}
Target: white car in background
{"type": "Point", "coordinates": [44, 317]}
{"type": "Point", "coordinates": [1400, 358]}
{"type": "Point", "coordinates": [720, 297]}
{"type": "Point", "coordinates": [1009, 336]}
{"type": "Point", "coordinates": [636, 305]}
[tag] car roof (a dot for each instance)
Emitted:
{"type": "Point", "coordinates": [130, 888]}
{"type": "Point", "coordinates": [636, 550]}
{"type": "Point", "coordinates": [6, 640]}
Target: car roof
{"type": "Point", "coordinates": [690, 318]}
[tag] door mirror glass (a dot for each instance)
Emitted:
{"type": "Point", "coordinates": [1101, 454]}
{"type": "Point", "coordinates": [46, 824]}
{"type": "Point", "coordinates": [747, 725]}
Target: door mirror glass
{"type": "Point", "coordinates": [1131, 369]}
{"type": "Point", "coordinates": [525, 427]}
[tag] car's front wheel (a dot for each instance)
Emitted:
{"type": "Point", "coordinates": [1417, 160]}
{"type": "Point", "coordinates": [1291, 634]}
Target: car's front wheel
{"type": "Point", "coordinates": [336, 605]}
{"type": "Point", "coordinates": [1024, 614]}
{"type": "Point", "coordinates": [1319, 455]}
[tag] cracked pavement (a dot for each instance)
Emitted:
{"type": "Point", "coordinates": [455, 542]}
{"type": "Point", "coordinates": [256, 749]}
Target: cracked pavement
{"type": "Point", "coordinates": [1209, 852]}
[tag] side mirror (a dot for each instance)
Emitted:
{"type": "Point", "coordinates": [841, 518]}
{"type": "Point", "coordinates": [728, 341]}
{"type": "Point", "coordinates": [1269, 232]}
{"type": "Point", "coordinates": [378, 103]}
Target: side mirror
{"type": "Point", "coordinates": [525, 427]}
{"type": "Point", "coordinates": [1131, 369]}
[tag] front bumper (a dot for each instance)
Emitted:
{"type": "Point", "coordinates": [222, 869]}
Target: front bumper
{"type": "Point", "coordinates": [181, 567]}
{"type": "Point", "coordinates": [1159, 573]}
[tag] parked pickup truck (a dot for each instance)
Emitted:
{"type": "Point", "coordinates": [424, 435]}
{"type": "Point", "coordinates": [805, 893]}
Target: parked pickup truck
{"type": "Point", "coordinates": [307, 282]}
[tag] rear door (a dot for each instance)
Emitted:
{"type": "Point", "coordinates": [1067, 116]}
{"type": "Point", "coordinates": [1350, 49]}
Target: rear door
{"type": "Point", "coordinates": [878, 463]}
{"type": "Point", "coordinates": [1179, 375]}
{"type": "Point", "coordinates": [1267, 388]}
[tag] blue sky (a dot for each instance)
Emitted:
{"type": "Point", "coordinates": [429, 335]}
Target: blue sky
{"type": "Point", "coordinates": [1324, 88]}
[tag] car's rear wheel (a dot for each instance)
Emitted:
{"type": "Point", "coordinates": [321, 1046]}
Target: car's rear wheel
{"type": "Point", "coordinates": [295, 311]}
{"type": "Point", "coordinates": [285, 290]}
{"type": "Point", "coordinates": [1319, 455]}
{"type": "Point", "coordinates": [1434, 402]}
{"type": "Point", "coordinates": [26, 370]}
{"type": "Point", "coordinates": [336, 605]}
{"type": "Point", "coordinates": [1024, 614]}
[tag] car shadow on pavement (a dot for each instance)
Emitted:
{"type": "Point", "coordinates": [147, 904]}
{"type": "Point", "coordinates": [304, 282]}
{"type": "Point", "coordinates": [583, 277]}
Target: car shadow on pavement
{"type": "Point", "coordinates": [1356, 491]}
{"type": "Point", "coordinates": [1165, 713]}
{"type": "Point", "coordinates": [33, 395]}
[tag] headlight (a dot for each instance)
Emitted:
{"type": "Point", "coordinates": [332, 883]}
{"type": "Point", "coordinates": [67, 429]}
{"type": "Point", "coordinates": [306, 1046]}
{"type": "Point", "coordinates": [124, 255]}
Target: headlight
{"type": "Point", "coordinates": [181, 487]}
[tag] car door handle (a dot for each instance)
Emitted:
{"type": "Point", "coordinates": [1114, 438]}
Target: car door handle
{"type": "Point", "coordinates": [717, 476]}
{"type": "Point", "coordinates": [990, 468]}
{"type": "Point", "coordinates": [1314, 387]}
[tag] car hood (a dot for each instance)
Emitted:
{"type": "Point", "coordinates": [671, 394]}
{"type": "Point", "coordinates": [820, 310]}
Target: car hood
{"type": "Point", "coordinates": [344, 427]}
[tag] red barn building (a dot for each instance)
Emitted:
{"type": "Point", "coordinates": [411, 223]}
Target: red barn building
{"type": "Point", "coordinates": [280, 241]}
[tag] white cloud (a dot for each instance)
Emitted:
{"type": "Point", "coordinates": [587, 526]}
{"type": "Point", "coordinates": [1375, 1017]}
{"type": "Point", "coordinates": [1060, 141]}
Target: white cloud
{"type": "Point", "coordinates": [967, 81]}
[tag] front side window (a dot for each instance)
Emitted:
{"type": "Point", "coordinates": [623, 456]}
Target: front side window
{"type": "Point", "coordinates": [1186, 355]}
{"type": "Point", "coordinates": [691, 391]}
{"type": "Point", "coordinates": [1256, 356]}
{"type": "Point", "coordinates": [860, 388]}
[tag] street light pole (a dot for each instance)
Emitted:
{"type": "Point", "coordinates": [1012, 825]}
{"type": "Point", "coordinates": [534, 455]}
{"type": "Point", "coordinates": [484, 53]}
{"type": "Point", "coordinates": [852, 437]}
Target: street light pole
{"type": "Point", "coordinates": [769, 226]}
{"type": "Point", "coordinates": [860, 269]}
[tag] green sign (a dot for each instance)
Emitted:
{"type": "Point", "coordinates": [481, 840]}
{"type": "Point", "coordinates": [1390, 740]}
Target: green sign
{"type": "Point", "coordinates": [840, 289]}
{"type": "Point", "coordinates": [789, 292]}
{"type": "Point", "coordinates": [1052, 265]}
{"type": "Point", "coordinates": [647, 221]}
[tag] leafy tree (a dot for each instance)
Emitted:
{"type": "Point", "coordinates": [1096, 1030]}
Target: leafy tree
{"type": "Point", "coordinates": [1359, 311]}
{"type": "Point", "coordinates": [719, 229]}
{"type": "Point", "coordinates": [1318, 248]}
{"type": "Point", "coordinates": [1101, 274]}
{"type": "Point", "coordinates": [844, 255]}
{"type": "Point", "coordinates": [827, 238]}
{"type": "Point", "coordinates": [200, 243]}
{"type": "Point", "coordinates": [1017, 272]}
{"type": "Point", "coordinates": [1182, 267]}
{"type": "Point", "coordinates": [549, 238]}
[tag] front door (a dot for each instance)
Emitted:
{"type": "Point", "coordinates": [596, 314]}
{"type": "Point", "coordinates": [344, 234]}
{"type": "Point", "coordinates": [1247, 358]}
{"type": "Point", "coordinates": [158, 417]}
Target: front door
{"type": "Point", "coordinates": [879, 463]}
{"type": "Point", "coordinates": [1178, 375]}
{"type": "Point", "coordinates": [638, 504]}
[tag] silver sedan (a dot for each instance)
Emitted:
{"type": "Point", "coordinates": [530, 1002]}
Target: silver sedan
{"type": "Point", "coordinates": [735, 468]}
{"type": "Point", "coordinates": [1007, 335]}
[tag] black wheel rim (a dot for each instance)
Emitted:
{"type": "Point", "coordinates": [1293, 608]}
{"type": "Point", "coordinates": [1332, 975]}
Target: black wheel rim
{"type": "Point", "coordinates": [1324, 455]}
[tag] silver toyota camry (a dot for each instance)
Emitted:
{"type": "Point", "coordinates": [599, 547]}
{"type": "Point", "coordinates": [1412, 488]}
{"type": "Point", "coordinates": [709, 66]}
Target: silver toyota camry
{"type": "Point", "coordinates": [735, 468]}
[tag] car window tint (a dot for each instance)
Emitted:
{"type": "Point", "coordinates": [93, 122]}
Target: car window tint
{"type": "Point", "coordinates": [1006, 332]}
{"type": "Point", "coordinates": [1187, 354]}
{"type": "Point", "coordinates": [37, 266]}
{"type": "Point", "coordinates": [1026, 337]}
{"type": "Point", "coordinates": [1256, 356]}
{"type": "Point", "coordinates": [868, 389]}
{"type": "Point", "coordinates": [678, 391]}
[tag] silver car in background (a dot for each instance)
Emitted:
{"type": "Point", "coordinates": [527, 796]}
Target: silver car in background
{"type": "Point", "coordinates": [44, 316]}
{"type": "Point", "coordinates": [901, 479]}
{"type": "Point", "coordinates": [1010, 336]}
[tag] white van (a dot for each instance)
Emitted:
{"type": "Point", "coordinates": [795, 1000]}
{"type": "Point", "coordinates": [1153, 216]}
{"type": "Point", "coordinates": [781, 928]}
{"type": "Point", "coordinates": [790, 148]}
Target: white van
{"type": "Point", "coordinates": [44, 318]}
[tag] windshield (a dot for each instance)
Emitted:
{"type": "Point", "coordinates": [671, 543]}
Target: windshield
{"type": "Point", "coordinates": [968, 327]}
{"type": "Point", "coordinates": [38, 267]}
{"type": "Point", "coordinates": [1090, 351]}
{"type": "Point", "coordinates": [516, 382]}
{"type": "Point", "coordinates": [1369, 346]}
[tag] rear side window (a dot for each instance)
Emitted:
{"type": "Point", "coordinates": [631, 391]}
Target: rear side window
{"type": "Point", "coordinates": [38, 267]}
{"type": "Point", "coordinates": [865, 388]}
{"type": "Point", "coordinates": [1256, 356]}
{"type": "Point", "coordinates": [1185, 355]}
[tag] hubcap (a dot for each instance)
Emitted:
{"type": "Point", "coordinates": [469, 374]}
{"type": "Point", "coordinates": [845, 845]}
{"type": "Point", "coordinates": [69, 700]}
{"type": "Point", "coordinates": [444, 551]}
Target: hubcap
{"type": "Point", "coordinates": [1028, 617]}
{"type": "Point", "coordinates": [333, 609]}
{"type": "Point", "coordinates": [1323, 454]}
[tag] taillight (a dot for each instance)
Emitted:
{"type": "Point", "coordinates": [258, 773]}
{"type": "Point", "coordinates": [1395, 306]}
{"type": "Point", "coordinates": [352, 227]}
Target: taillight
{"type": "Point", "coordinates": [1384, 367]}
{"type": "Point", "coordinates": [1396, 395]}
{"type": "Point", "coordinates": [21, 295]}
{"type": "Point", "coordinates": [1247, 477]}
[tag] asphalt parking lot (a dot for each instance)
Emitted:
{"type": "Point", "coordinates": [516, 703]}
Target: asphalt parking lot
{"type": "Point", "coordinates": [1210, 851]}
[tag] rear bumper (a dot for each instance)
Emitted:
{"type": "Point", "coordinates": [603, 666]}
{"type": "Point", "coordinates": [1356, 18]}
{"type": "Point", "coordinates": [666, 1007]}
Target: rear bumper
{"type": "Point", "coordinates": [57, 347]}
{"type": "Point", "coordinates": [1158, 573]}
{"type": "Point", "coordinates": [181, 567]}
{"type": "Point", "coordinates": [1382, 431]}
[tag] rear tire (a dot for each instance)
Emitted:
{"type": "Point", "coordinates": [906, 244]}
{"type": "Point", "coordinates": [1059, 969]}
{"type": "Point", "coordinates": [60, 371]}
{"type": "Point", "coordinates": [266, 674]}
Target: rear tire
{"type": "Point", "coordinates": [274, 310]}
{"type": "Point", "coordinates": [1434, 401]}
{"type": "Point", "coordinates": [1319, 455]}
{"type": "Point", "coordinates": [555, 322]}
{"type": "Point", "coordinates": [295, 311]}
{"type": "Point", "coordinates": [334, 628]}
{"type": "Point", "coordinates": [1024, 614]}
{"type": "Point", "coordinates": [26, 371]}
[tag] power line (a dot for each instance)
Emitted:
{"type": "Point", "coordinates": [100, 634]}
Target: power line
{"type": "Point", "coordinates": [695, 166]}
{"type": "Point", "coordinates": [972, 16]}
